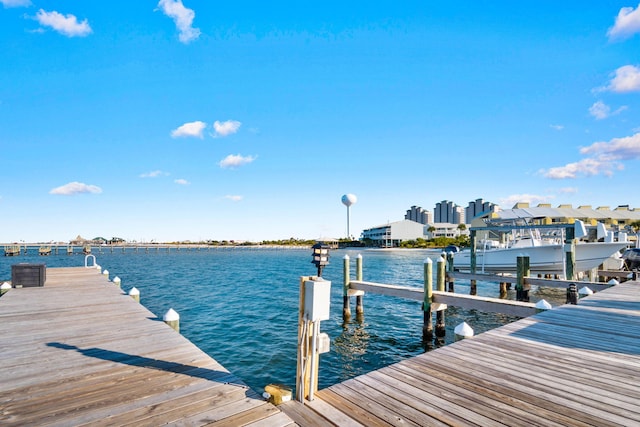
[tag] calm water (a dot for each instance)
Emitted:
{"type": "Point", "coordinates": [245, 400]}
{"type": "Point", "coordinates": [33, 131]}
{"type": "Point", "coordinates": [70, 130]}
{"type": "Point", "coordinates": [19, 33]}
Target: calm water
{"type": "Point", "coordinates": [240, 305]}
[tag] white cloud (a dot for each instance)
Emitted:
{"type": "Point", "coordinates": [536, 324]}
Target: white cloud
{"type": "Point", "coordinates": [67, 25]}
{"type": "Point", "coordinates": [15, 3]}
{"type": "Point", "coordinates": [625, 79]}
{"type": "Point", "coordinates": [233, 198]}
{"type": "Point", "coordinates": [627, 23]}
{"type": "Point", "coordinates": [556, 127]}
{"type": "Point", "coordinates": [153, 174]}
{"type": "Point", "coordinates": [232, 161]}
{"type": "Point", "coordinates": [76, 188]}
{"type": "Point", "coordinates": [226, 128]}
{"type": "Point", "coordinates": [604, 158]}
{"type": "Point", "coordinates": [183, 18]}
{"type": "Point", "coordinates": [626, 148]}
{"type": "Point", "coordinates": [600, 110]}
{"type": "Point", "coordinates": [191, 129]}
{"type": "Point", "coordinates": [532, 199]}
{"type": "Point", "coordinates": [182, 181]}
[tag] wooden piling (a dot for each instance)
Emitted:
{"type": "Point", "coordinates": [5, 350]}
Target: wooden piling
{"type": "Point", "coordinates": [570, 253]}
{"type": "Point", "coordinates": [522, 289]}
{"type": "Point", "coordinates": [172, 318]}
{"type": "Point", "coordinates": [440, 278]}
{"type": "Point", "coordinates": [346, 309]}
{"type": "Point", "coordinates": [135, 294]}
{"type": "Point", "coordinates": [427, 327]}
{"type": "Point", "coordinates": [572, 294]}
{"type": "Point", "coordinates": [359, 302]}
{"type": "Point", "coordinates": [503, 289]}
{"type": "Point", "coordinates": [449, 256]}
{"type": "Point", "coordinates": [472, 241]}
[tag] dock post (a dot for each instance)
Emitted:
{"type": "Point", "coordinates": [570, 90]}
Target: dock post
{"type": "Point", "coordinates": [572, 294]}
{"type": "Point", "coordinates": [570, 253]}
{"type": "Point", "coordinates": [449, 256]}
{"type": "Point", "coordinates": [522, 266]}
{"type": "Point", "coordinates": [4, 288]}
{"type": "Point", "coordinates": [346, 309]}
{"type": "Point", "coordinates": [117, 281]}
{"type": "Point", "coordinates": [135, 294]}
{"type": "Point", "coordinates": [440, 325]}
{"type": "Point", "coordinates": [503, 290]}
{"type": "Point", "coordinates": [472, 268]}
{"type": "Point", "coordinates": [359, 304]}
{"type": "Point", "coordinates": [172, 318]}
{"type": "Point", "coordinates": [427, 327]}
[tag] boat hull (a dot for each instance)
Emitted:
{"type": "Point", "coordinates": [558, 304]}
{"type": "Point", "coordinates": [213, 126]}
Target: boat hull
{"type": "Point", "coordinates": [546, 259]}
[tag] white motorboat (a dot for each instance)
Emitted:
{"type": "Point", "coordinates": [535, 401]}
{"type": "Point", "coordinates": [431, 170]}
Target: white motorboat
{"type": "Point", "coordinates": [546, 252]}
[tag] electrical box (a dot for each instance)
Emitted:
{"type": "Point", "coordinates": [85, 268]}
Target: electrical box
{"type": "Point", "coordinates": [324, 343]}
{"type": "Point", "coordinates": [317, 300]}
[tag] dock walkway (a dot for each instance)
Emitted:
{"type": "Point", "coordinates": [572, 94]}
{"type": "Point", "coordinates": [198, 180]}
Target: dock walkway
{"type": "Point", "coordinates": [575, 365]}
{"type": "Point", "coordinates": [79, 351]}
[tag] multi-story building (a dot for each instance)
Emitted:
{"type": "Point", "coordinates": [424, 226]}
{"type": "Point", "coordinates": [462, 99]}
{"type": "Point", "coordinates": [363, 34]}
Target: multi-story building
{"type": "Point", "coordinates": [446, 211]}
{"type": "Point", "coordinates": [478, 207]}
{"type": "Point", "coordinates": [418, 214]}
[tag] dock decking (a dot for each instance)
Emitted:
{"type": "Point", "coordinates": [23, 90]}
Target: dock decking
{"type": "Point", "coordinates": [79, 351]}
{"type": "Point", "coordinates": [572, 366]}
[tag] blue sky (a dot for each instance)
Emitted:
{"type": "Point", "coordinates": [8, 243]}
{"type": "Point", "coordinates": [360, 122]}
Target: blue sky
{"type": "Point", "coordinates": [249, 120]}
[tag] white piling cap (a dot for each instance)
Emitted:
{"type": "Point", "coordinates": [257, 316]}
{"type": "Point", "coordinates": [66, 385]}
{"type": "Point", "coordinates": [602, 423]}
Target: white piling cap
{"type": "Point", "coordinates": [5, 285]}
{"type": "Point", "coordinates": [134, 291]}
{"type": "Point", "coordinates": [116, 279]}
{"type": "Point", "coordinates": [346, 258]}
{"type": "Point", "coordinates": [464, 330]}
{"type": "Point", "coordinates": [585, 291]}
{"type": "Point", "coordinates": [613, 282]}
{"type": "Point", "coordinates": [171, 315]}
{"type": "Point", "coordinates": [428, 261]}
{"type": "Point", "coordinates": [359, 256]}
{"type": "Point", "coordinates": [543, 305]}
{"type": "Point", "coordinates": [105, 272]}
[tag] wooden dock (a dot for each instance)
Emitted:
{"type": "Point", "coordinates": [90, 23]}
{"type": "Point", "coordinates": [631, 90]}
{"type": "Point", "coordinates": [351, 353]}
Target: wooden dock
{"type": "Point", "coordinates": [79, 351]}
{"type": "Point", "coordinates": [575, 365]}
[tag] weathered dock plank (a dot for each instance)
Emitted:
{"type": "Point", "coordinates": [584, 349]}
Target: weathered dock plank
{"type": "Point", "coordinates": [79, 351]}
{"type": "Point", "coordinates": [575, 365]}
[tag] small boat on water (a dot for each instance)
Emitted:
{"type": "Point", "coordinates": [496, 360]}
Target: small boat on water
{"type": "Point", "coordinates": [546, 251]}
{"type": "Point", "coordinates": [44, 250]}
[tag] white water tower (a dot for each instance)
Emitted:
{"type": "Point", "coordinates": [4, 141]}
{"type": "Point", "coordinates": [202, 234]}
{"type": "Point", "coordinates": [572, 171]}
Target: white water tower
{"type": "Point", "coordinates": [348, 200]}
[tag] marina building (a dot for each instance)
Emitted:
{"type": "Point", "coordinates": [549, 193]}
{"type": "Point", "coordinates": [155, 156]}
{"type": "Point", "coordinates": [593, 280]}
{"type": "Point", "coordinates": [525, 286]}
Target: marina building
{"type": "Point", "coordinates": [619, 218]}
{"type": "Point", "coordinates": [390, 235]}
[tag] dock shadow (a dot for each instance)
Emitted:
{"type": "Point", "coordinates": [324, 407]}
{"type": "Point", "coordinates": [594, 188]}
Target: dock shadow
{"type": "Point", "coordinates": [223, 377]}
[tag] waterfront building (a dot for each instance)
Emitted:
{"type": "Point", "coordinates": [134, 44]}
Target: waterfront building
{"type": "Point", "coordinates": [618, 219]}
{"type": "Point", "coordinates": [418, 214]}
{"type": "Point", "coordinates": [479, 207]}
{"type": "Point", "coordinates": [390, 235]}
{"type": "Point", "coordinates": [444, 229]}
{"type": "Point", "coordinates": [446, 211]}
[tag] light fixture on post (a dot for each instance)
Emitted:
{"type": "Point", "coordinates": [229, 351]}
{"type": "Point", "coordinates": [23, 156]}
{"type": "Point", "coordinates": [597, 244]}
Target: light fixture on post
{"type": "Point", "coordinates": [320, 256]}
